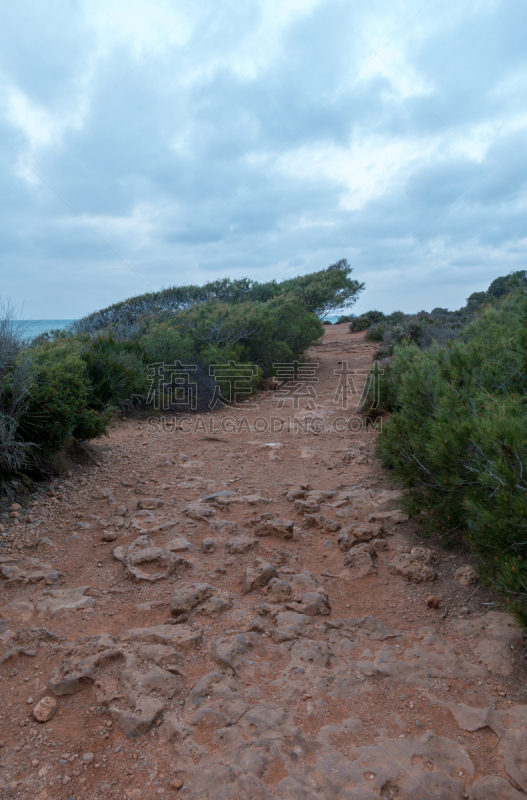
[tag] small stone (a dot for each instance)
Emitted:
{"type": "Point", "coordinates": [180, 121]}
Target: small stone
{"type": "Point", "coordinates": [466, 575]}
{"type": "Point", "coordinates": [109, 536]}
{"type": "Point", "coordinates": [432, 601]}
{"type": "Point", "coordinates": [45, 541]}
{"type": "Point", "coordinates": [176, 784]}
{"type": "Point", "coordinates": [88, 758]}
{"type": "Point", "coordinates": [150, 503]}
{"type": "Point", "coordinates": [29, 701]}
{"type": "Point", "coordinates": [35, 762]}
{"type": "Point", "coordinates": [45, 709]}
{"type": "Point", "coordinates": [208, 546]}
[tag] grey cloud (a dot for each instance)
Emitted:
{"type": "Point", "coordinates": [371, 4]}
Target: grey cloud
{"type": "Point", "coordinates": [167, 167]}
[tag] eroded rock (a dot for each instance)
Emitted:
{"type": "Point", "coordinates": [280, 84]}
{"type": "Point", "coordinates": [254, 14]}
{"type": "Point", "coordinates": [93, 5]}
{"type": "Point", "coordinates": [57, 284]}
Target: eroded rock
{"type": "Point", "coordinates": [414, 566]}
{"type": "Point", "coordinates": [258, 574]}
{"type": "Point", "coordinates": [498, 640]}
{"type": "Point", "coordinates": [45, 709]}
{"type": "Point", "coordinates": [280, 528]}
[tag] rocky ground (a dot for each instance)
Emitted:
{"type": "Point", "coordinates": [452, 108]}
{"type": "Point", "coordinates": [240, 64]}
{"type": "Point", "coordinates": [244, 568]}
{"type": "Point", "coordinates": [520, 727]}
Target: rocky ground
{"type": "Point", "coordinates": [237, 613]}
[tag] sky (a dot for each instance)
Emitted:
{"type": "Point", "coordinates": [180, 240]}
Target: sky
{"type": "Point", "coordinates": [150, 143]}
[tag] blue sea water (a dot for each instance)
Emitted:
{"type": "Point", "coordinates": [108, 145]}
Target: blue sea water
{"type": "Point", "coordinates": [331, 318]}
{"type": "Point", "coordinates": [33, 327]}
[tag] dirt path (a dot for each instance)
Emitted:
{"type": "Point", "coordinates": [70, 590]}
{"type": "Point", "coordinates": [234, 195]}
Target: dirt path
{"type": "Point", "coordinates": [233, 608]}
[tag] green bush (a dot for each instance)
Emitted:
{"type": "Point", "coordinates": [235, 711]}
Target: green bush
{"type": "Point", "coordinates": [365, 321]}
{"type": "Point", "coordinates": [66, 384]}
{"type": "Point", "coordinates": [59, 400]}
{"type": "Point", "coordinates": [321, 293]}
{"type": "Point", "coordinates": [116, 370]}
{"type": "Point", "coordinates": [456, 440]}
{"type": "Point", "coordinates": [376, 333]}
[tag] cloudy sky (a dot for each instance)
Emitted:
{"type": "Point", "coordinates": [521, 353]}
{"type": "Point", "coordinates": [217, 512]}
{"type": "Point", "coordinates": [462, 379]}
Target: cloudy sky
{"type": "Point", "coordinates": [148, 143]}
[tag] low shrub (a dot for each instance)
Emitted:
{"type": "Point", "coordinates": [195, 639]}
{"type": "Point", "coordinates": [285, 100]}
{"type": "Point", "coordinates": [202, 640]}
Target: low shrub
{"type": "Point", "coordinates": [60, 401]}
{"type": "Point", "coordinates": [365, 321]}
{"type": "Point", "coordinates": [456, 439]}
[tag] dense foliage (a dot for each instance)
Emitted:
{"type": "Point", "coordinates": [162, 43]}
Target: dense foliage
{"type": "Point", "coordinates": [456, 438]}
{"type": "Point", "coordinates": [65, 385]}
{"type": "Point", "coordinates": [426, 327]}
{"type": "Point", "coordinates": [320, 293]}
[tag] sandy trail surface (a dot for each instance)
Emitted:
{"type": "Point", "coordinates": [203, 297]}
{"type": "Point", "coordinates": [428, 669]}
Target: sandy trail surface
{"type": "Point", "coordinates": [233, 607]}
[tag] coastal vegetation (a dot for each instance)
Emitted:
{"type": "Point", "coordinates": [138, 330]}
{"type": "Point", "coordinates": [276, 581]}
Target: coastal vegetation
{"type": "Point", "coordinates": [64, 386]}
{"type": "Point", "coordinates": [455, 435]}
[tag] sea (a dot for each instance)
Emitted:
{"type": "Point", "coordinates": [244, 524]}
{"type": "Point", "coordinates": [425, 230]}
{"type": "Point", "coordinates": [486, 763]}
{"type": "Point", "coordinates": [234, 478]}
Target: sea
{"type": "Point", "coordinates": [33, 327]}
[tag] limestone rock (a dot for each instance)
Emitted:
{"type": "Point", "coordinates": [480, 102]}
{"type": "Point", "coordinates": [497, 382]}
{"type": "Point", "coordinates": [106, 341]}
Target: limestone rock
{"type": "Point", "coordinates": [180, 637]}
{"type": "Point", "coordinates": [360, 563]}
{"type": "Point", "coordinates": [186, 598]}
{"type": "Point", "coordinates": [57, 601]}
{"type": "Point", "coordinates": [369, 626]}
{"type": "Point", "coordinates": [281, 528]}
{"type": "Point", "coordinates": [156, 680]}
{"type": "Point", "coordinates": [413, 566]}
{"type": "Point", "coordinates": [231, 651]}
{"type": "Point", "coordinates": [278, 591]}
{"type": "Point", "coordinates": [138, 721]}
{"type": "Point", "coordinates": [314, 604]}
{"type": "Point", "coordinates": [199, 511]}
{"type": "Point", "coordinates": [158, 653]}
{"type": "Point", "coordinates": [499, 639]}
{"type": "Point", "coordinates": [214, 700]}
{"type": "Point", "coordinates": [121, 552]}
{"type": "Point", "coordinates": [307, 506]}
{"type": "Point", "coordinates": [255, 500]}
{"type": "Point", "coordinates": [303, 582]}
{"type": "Point", "coordinates": [224, 525]}
{"type": "Point", "coordinates": [153, 556]}
{"type": "Point", "coordinates": [354, 534]}
{"type": "Point", "coordinates": [74, 676]}
{"type": "Point", "coordinates": [179, 545]}
{"type": "Point", "coordinates": [388, 516]}
{"type": "Point", "coordinates": [150, 503]}
{"type": "Point", "coordinates": [290, 625]}
{"type": "Point", "coordinates": [511, 727]}
{"type": "Point", "coordinates": [219, 498]}
{"type": "Point", "coordinates": [295, 493]}
{"type": "Point", "coordinates": [18, 611]}
{"type": "Point", "coordinates": [258, 574]}
{"type": "Point", "coordinates": [217, 604]}
{"type": "Point", "coordinates": [466, 575]}
{"type": "Point", "coordinates": [469, 718]}
{"type": "Point", "coordinates": [494, 788]}
{"type": "Point", "coordinates": [45, 709]}
{"type": "Point", "coordinates": [173, 729]}
{"type": "Point", "coordinates": [240, 545]}
{"type": "Point", "coordinates": [208, 545]}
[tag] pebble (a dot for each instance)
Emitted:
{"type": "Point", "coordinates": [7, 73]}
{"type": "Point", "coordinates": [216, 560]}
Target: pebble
{"type": "Point", "coordinates": [45, 709]}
